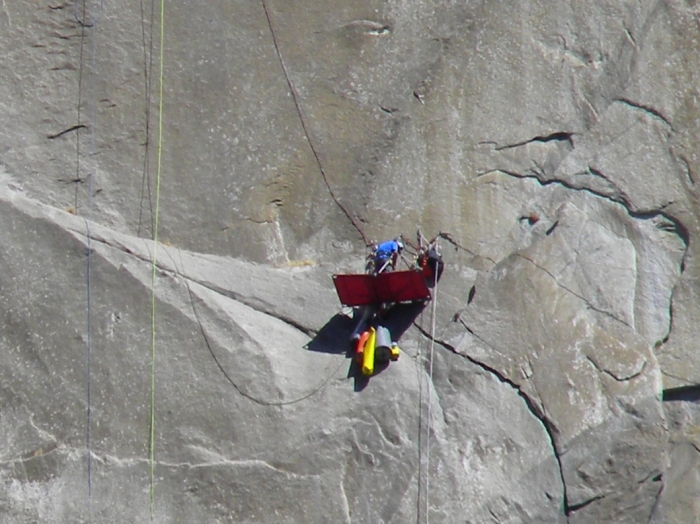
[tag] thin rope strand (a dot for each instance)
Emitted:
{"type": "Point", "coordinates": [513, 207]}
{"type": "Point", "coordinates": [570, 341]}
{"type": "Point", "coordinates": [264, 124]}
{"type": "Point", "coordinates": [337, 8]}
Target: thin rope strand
{"type": "Point", "coordinates": [419, 376]}
{"type": "Point", "coordinates": [90, 176]}
{"type": "Point", "coordinates": [88, 313]}
{"type": "Point", "coordinates": [155, 272]}
{"type": "Point", "coordinates": [297, 105]}
{"type": "Point", "coordinates": [80, 95]}
{"type": "Point", "coordinates": [87, 283]}
{"type": "Point", "coordinates": [430, 374]}
{"type": "Point", "coordinates": [147, 70]}
{"type": "Point", "coordinates": [262, 402]}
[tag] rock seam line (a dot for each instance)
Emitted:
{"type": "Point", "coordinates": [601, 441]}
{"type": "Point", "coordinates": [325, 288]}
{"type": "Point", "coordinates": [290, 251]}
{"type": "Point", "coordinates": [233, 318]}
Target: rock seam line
{"type": "Point", "coordinates": [529, 403]}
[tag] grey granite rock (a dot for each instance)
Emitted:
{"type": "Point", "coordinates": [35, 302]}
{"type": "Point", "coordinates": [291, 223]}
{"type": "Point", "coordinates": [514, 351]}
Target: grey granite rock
{"type": "Point", "coordinates": [555, 145]}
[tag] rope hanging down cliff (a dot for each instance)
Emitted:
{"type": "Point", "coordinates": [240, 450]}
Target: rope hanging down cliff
{"type": "Point", "coordinates": [82, 21]}
{"type": "Point", "coordinates": [262, 402]}
{"type": "Point", "coordinates": [297, 105]}
{"type": "Point", "coordinates": [431, 343]}
{"type": "Point", "coordinates": [147, 77]}
{"type": "Point", "coordinates": [429, 424]}
{"type": "Point", "coordinates": [154, 274]}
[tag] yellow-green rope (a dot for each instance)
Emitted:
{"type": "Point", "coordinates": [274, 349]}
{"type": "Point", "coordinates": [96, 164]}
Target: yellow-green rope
{"type": "Point", "coordinates": [154, 273]}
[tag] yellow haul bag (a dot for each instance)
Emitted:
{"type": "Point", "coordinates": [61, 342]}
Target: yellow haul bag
{"type": "Point", "coordinates": [368, 353]}
{"type": "Point", "coordinates": [361, 347]}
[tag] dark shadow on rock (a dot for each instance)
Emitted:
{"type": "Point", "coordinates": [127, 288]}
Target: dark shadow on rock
{"type": "Point", "coordinates": [683, 393]}
{"type": "Point", "coordinates": [400, 317]}
{"type": "Point", "coordinates": [360, 383]}
{"type": "Point", "coordinates": [334, 337]}
{"type": "Point", "coordinates": [360, 380]}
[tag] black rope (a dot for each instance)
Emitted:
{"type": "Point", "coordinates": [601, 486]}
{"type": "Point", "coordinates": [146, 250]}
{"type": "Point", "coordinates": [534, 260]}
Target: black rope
{"type": "Point", "coordinates": [78, 179]}
{"type": "Point", "coordinates": [295, 98]}
{"type": "Point", "coordinates": [147, 69]}
{"type": "Point", "coordinates": [218, 363]}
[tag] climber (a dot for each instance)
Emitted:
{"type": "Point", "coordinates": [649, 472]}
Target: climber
{"type": "Point", "coordinates": [430, 262]}
{"type": "Point", "coordinates": [386, 255]}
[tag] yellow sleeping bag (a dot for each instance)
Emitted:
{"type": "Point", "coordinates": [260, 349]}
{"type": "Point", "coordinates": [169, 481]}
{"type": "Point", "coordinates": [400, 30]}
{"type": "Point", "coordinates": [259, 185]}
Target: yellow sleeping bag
{"type": "Point", "coordinates": [368, 353]}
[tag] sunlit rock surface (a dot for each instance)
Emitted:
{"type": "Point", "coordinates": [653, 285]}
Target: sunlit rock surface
{"type": "Point", "coordinates": [554, 376]}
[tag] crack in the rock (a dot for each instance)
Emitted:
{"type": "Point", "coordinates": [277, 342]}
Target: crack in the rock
{"type": "Point", "coordinates": [42, 433]}
{"type": "Point", "coordinates": [678, 227]}
{"type": "Point", "coordinates": [552, 228]}
{"type": "Point", "coordinates": [675, 225]}
{"type": "Point", "coordinates": [560, 136]}
{"type": "Point", "coordinates": [309, 332]}
{"type": "Point", "coordinates": [36, 455]}
{"type": "Point", "coordinates": [674, 376]}
{"type": "Point", "coordinates": [584, 299]}
{"type": "Point", "coordinates": [548, 425]}
{"type": "Point", "coordinates": [229, 463]}
{"type": "Point", "coordinates": [216, 289]}
{"type": "Point", "coordinates": [655, 505]}
{"type": "Point", "coordinates": [686, 164]}
{"type": "Point", "coordinates": [613, 375]}
{"type": "Point", "coordinates": [259, 222]}
{"type": "Point", "coordinates": [655, 113]}
{"type": "Point", "coordinates": [106, 459]}
{"type": "Point", "coordinates": [233, 296]}
{"type": "Point", "coordinates": [233, 383]}
{"type": "Point", "coordinates": [580, 505]}
{"type": "Point", "coordinates": [382, 432]}
{"type": "Point", "coordinates": [629, 36]}
{"type": "Point", "coordinates": [450, 238]}
{"type": "Point", "coordinates": [65, 131]}
{"type": "Point", "coordinates": [621, 196]}
{"type": "Point", "coordinates": [654, 476]}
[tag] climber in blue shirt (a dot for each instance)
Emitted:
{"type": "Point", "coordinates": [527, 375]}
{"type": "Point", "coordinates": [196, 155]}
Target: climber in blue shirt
{"type": "Point", "coordinates": [386, 254]}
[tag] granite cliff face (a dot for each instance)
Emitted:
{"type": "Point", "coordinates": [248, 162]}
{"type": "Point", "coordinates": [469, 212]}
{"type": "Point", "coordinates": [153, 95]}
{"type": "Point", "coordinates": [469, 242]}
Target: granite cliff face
{"type": "Point", "coordinates": [556, 143]}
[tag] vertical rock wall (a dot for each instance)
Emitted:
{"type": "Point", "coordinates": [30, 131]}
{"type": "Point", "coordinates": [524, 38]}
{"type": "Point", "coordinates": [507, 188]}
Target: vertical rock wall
{"type": "Point", "coordinates": [556, 143]}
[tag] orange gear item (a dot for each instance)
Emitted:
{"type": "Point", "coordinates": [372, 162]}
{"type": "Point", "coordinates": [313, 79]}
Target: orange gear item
{"type": "Point", "coordinates": [359, 349]}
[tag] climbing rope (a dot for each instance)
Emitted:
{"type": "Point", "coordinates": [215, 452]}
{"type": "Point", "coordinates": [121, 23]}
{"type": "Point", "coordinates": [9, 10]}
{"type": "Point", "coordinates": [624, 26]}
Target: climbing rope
{"type": "Point", "coordinates": [429, 423]}
{"type": "Point", "coordinates": [262, 402]}
{"type": "Point", "coordinates": [147, 76]}
{"type": "Point", "coordinates": [297, 105]}
{"type": "Point", "coordinates": [154, 273]}
{"type": "Point", "coordinates": [419, 376]}
{"type": "Point", "coordinates": [82, 21]}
